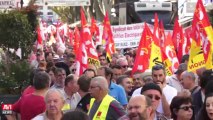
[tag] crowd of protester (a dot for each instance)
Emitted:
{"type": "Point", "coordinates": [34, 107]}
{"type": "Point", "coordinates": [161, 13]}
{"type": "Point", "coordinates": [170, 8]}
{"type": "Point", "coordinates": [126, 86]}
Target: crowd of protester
{"type": "Point", "coordinates": [111, 91]}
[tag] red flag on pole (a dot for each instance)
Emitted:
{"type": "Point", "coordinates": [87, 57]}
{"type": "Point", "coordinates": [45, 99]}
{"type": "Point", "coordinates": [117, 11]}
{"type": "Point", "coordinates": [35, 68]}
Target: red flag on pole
{"type": "Point", "coordinates": [88, 41]}
{"type": "Point", "coordinates": [108, 38]}
{"type": "Point", "coordinates": [143, 52]}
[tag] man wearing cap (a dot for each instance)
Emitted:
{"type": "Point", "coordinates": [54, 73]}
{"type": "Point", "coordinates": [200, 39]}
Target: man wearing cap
{"type": "Point", "coordinates": [174, 80]}
{"type": "Point", "coordinates": [154, 92]}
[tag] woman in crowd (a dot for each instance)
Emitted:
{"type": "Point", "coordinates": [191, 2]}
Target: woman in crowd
{"type": "Point", "coordinates": [206, 112]}
{"type": "Point", "coordinates": [181, 108]}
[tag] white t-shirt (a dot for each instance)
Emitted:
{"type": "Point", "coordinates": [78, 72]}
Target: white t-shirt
{"type": "Point", "coordinates": [137, 92]}
{"type": "Point", "coordinates": [169, 93]}
{"type": "Point", "coordinates": [41, 116]}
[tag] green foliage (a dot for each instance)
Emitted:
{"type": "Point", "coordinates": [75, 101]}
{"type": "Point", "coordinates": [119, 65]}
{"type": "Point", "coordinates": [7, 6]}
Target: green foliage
{"type": "Point", "coordinates": [31, 12]}
{"type": "Point", "coordinates": [15, 31]}
{"type": "Point", "coordinates": [67, 14]}
{"type": "Point", "coordinates": [14, 76]}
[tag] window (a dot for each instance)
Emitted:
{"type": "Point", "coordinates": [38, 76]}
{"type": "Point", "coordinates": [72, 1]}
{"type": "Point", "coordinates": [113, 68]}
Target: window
{"type": "Point", "coordinates": [50, 13]}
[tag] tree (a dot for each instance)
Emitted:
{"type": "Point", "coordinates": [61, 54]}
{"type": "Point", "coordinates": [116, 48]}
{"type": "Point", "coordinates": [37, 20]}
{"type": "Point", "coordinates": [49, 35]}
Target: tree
{"type": "Point", "coordinates": [16, 31]}
{"type": "Point", "coordinates": [97, 9]}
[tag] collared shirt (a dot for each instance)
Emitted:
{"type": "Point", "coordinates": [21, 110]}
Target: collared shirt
{"type": "Point", "coordinates": [71, 100]}
{"type": "Point", "coordinates": [118, 93]}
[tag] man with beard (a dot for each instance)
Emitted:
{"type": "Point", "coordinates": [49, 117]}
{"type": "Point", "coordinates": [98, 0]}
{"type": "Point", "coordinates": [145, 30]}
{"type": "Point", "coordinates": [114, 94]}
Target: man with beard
{"type": "Point", "coordinates": [168, 92]}
{"type": "Point", "coordinates": [139, 108]}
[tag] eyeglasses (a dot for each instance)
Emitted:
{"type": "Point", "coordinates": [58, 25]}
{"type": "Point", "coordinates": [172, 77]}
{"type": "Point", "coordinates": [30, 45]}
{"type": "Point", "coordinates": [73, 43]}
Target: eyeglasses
{"type": "Point", "coordinates": [154, 96]}
{"type": "Point", "coordinates": [135, 79]}
{"type": "Point", "coordinates": [73, 70]}
{"type": "Point", "coordinates": [102, 59]}
{"type": "Point", "coordinates": [91, 87]}
{"type": "Point", "coordinates": [186, 108]}
{"type": "Point", "coordinates": [124, 66]}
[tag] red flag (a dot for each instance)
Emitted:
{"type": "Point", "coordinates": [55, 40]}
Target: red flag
{"type": "Point", "coordinates": [156, 31]}
{"type": "Point", "coordinates": [170, 59]}
{"type": "Point", "coordinates": [179, 40]}
{"type": "Point", "coordinates": [176, 34]}
{"type": "Point", "coordinates": [188, 42]}
{"type": "Point", "coordinates": [76, 42]}
{"type": "Point", "coordinates": [108, 37]}
{"type": "Point", "coordinates": [39, 38]}
{"type": "Point", "coordinates": [162, 36]}
{"type": "Point", "coordinates": [83, 18]}
{"type": "Point", "coordinates": [88, 41]}
{"type": "Point", "coordinates": [81, 59]}
{"type": "Point", "coordinates": [201, 21]}
{"type": "Point", "coordinates": [94, 30]}
{"type": "Point", "coordinates": [143, 52]}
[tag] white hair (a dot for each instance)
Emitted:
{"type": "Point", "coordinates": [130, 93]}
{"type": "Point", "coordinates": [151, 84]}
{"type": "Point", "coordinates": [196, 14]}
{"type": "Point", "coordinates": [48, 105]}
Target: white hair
{"type": "Point", "coordinates": [54, 90]}
{"type": "Point", "coordinates": [122, 59]}
{"type": "Point", "coordinates": [101, 81]}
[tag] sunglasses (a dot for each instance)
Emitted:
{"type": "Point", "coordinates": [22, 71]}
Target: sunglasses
{"type": "Point", "coordinates": [73, 70]}
{"type": "Point", "coordinates": [186, 108]}
{"type": "Point", "coordinates": [154, 96]}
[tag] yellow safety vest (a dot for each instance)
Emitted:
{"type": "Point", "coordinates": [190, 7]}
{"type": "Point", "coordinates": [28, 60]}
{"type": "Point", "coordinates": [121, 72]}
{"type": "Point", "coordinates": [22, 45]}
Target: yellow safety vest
{"type": "Point", "coordinates": [102, 109]}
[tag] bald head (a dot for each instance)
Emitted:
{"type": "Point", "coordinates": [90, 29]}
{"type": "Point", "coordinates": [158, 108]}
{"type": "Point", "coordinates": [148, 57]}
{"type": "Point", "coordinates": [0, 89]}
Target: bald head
{"type": "Point", "coordinates": [140, 98]}
{"type": "Point", "coordinates": [189, 74]}
{"type": "Point", "coordinates": [139, 107]}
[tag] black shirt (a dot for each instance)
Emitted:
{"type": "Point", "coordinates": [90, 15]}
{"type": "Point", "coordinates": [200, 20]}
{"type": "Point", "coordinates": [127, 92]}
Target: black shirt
{"type": "Point", "coordinates": [83, 104]}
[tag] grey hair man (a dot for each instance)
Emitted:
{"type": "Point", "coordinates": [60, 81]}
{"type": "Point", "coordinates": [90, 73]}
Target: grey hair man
{"type": "Point", "coordinates": [54, 100]}
{"type": "Point", "coordinates": [188, 81]}
{"type": "Point", "coordinates": [103, 106]}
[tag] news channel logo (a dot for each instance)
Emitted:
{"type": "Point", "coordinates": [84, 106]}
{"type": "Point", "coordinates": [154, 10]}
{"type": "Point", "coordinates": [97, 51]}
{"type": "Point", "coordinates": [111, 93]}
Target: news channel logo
{"type": "Point", "coordinates": [6, 109]}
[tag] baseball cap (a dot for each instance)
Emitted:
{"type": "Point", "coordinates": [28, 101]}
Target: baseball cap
{"type": "Point", "coordinates": [151, 86]}
{"type": "Point", "coordinates": [181, 68]}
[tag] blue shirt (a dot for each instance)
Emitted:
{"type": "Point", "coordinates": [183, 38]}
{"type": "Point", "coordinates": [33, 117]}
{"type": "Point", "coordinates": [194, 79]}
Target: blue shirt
{"type": "Point", "coordinates": [118, 93]}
